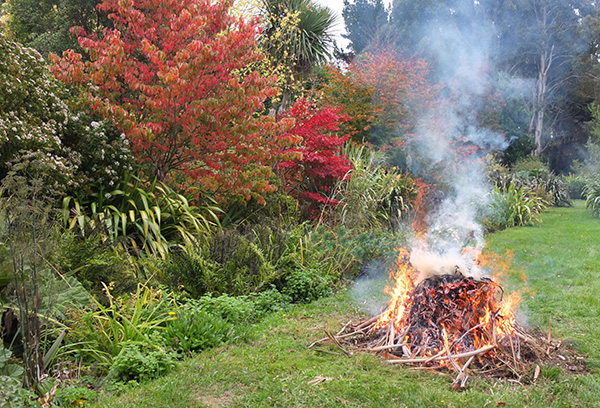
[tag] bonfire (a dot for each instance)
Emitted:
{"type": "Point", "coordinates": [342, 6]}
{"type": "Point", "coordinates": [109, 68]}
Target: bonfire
{"type": "Point", "coordinates": [446, 314]}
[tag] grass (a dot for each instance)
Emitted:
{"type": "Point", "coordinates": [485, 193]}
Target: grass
{"type": "Point", "coordinates": [560, 259]}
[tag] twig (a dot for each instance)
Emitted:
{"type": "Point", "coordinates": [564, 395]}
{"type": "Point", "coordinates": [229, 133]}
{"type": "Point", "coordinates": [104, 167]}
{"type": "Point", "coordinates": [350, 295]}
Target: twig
{"type": "Point", "coordinates": [512, 348]}
{"type": "Point", "coordinates": [381, 348]}
{"type": "Point", "coordinates": [314, 343]}
{"type": "Point", "coordinates": [440, 358]}
{"type": "Point", "coordinates": [392, 338]}
{"type": "Point", "coordinates": [461, 378]}
{"type": "Point", "coordinates": [467, 332]}
{"type": "Point", "coordinates": [454, 363]}
{"type": "Point", "coordinates": [549, 337]}
{"type": "Point", "coordinates": [327, 352]}
{"type": "Point", "coordinates": [368, 322]}
{"type": "Point", "coordinates": [337, 343]}
{"type": "Point", "coordinates": [344, 328]}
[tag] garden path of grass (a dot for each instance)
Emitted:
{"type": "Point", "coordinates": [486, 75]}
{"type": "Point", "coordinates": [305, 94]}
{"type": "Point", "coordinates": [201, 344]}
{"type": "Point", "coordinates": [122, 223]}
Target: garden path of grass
{"type": "Point", "coordinates": [561, 259]}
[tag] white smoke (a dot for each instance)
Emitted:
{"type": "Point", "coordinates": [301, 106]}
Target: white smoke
{"type": "Point", "coordinates": [462, 59]}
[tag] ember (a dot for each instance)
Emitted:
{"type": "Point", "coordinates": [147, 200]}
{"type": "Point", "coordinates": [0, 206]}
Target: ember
{"type": "Point", "coordinates": [450, 320]}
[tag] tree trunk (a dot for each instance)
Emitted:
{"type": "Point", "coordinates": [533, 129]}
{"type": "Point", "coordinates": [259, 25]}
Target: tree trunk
{"type": "Point", "coordinates": [540, 99]}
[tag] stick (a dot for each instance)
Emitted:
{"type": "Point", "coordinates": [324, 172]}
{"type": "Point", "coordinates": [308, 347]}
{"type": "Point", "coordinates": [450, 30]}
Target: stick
{"type": "Point", "coordinates": [454, 363]}
{"type": "Point", "coordinates": [344, 328]}
{"type": "Point", "coordinates": [467, 332]}
{"type": "Point", "coordinates": [314, 343]}
{"type": "Point", "coordinates": [549, 337]}
{"type": "Point", "coordinates": [327, 352]}
{"type": "Point", "coordinates": [461, 378]}
{"type": "Point", "coordinates": [512, 347]}
{"type": "Point", "coordinates": [392, 333]}
{"type": "Point", "coordinates": [381, 348]}
{"type": "Point", "coordinates": [368, 322]}
{"type": "Point", "coordinates": [337, 343]}
{"type": "Point", "coordinates": [440, 358]}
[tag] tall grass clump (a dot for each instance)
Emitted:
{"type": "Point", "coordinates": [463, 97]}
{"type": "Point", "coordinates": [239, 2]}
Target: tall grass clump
{"type": "Point", "coordinates": [511, 207]}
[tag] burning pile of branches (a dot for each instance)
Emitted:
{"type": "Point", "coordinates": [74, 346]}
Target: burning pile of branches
{"type": "Point", "coordinates": [452, 321]}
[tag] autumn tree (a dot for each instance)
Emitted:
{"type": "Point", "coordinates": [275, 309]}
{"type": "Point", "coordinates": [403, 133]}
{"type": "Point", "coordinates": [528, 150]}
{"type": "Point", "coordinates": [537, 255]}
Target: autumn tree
{"type": "Point", "coordinates": [383, 94]}
{"type": "Point", "coordinates": [320, 163]}
{"type": "Point", "coordinates": [173, 75]}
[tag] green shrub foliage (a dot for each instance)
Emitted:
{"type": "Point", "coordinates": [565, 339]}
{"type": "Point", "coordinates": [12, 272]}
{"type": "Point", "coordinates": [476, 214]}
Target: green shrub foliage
{"type": "Point", "coordinates": [141, 362]}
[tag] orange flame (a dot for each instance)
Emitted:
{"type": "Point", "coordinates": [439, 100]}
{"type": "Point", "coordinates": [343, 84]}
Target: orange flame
{"type": "Point", "coordinates": [495, 314]}
{"type": "Point", "coordinates": [400, 293]}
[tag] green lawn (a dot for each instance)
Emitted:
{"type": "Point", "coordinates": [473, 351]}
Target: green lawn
{"type": "Point", "coordinates": [561, 259]}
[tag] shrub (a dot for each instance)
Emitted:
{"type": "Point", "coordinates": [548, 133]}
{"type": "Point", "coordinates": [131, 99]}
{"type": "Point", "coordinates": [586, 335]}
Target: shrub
{"type": "Point", "coordinates": [530, 167]}
{"type": "Point", "coordinates": [141, 362]}
{"type": "Point", "coordinates": [146, 218]}
{"type": "Point", "coordinates": [234, 309]}
{"type": "Point", "coordinates": [306, 285]}
{"type": "Point", "coordinates": [99, 335]}
{"type": "Point", "coordinates": [512, 207]}
{"type": "Point", "coordinates": [194, 329]}
{"type": "Point", "coordinates": [551, 188]}
{"type": "Point", "coordinates": [33, 119]}
{"type": "Point", "coordinates": [93, 259]}
{"type": "Point", "coordinates": [8, 369]}
{"type": "Point", "coordinates": [72, 396]}
{"type": "Point", "coordinates": [576, 186]}
{"type": "Point", "coordinates": [592, 195]}
{"type": "Point", "coordinates": [235, 262]}
{"type": "Point", "coordinates": [372, 197]}
{"type": "Point", "coordinates": [270, 301]}
{"type": "Point", "coordinates": [340, 252]}
{"type": "Point", "coordinates": [13, 395]}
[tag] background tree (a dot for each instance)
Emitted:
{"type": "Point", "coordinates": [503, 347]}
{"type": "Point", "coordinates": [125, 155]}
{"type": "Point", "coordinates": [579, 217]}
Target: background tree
{"type": "Point", "coordinates": [540, 42]}
{"type": "Point", "coordinates": [296, 37]}
{"type": "Point", "coordinates": [383, 94]}
{"type": "Point", "coordinates": [364, 20]}
{"type": "Point", "coordinates": [171, 75]}
{"type": "Point", "coordinates": [45, 24]}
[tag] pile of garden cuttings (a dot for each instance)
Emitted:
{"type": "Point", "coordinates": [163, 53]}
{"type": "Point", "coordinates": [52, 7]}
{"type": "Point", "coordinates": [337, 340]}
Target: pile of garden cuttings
{"type": "Point", "coordinates": [458, 324]}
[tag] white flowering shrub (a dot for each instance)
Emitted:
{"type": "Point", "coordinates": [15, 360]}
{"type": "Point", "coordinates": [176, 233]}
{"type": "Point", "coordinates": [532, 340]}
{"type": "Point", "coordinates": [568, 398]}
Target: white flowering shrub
{"type": "Point", "coordinates": [33, 118]}
{"type": "Point", "coordinates": [41, 137]}
{"type": "Point", "coordinates": [106, 155]}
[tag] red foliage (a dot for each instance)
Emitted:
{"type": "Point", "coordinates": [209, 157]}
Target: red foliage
{"type": "Point", "coordinates": [384, 94]}
{"type": "Point", "coordinates": [320, 165]}
{"type": "Point", "coordinates": [173, 75]}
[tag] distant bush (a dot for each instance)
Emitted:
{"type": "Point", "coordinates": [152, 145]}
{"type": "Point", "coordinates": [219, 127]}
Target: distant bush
{"type": "Point", "coordinates": [530, 167]}
{"type": "Point", "coordinates": [551, 189]}
{"type": "Point", "coordinates": [576, 186]}
{"type": "Point", "coordinates": [511, 208]}
{"type": "Point", "coordinates": [592, 195]}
